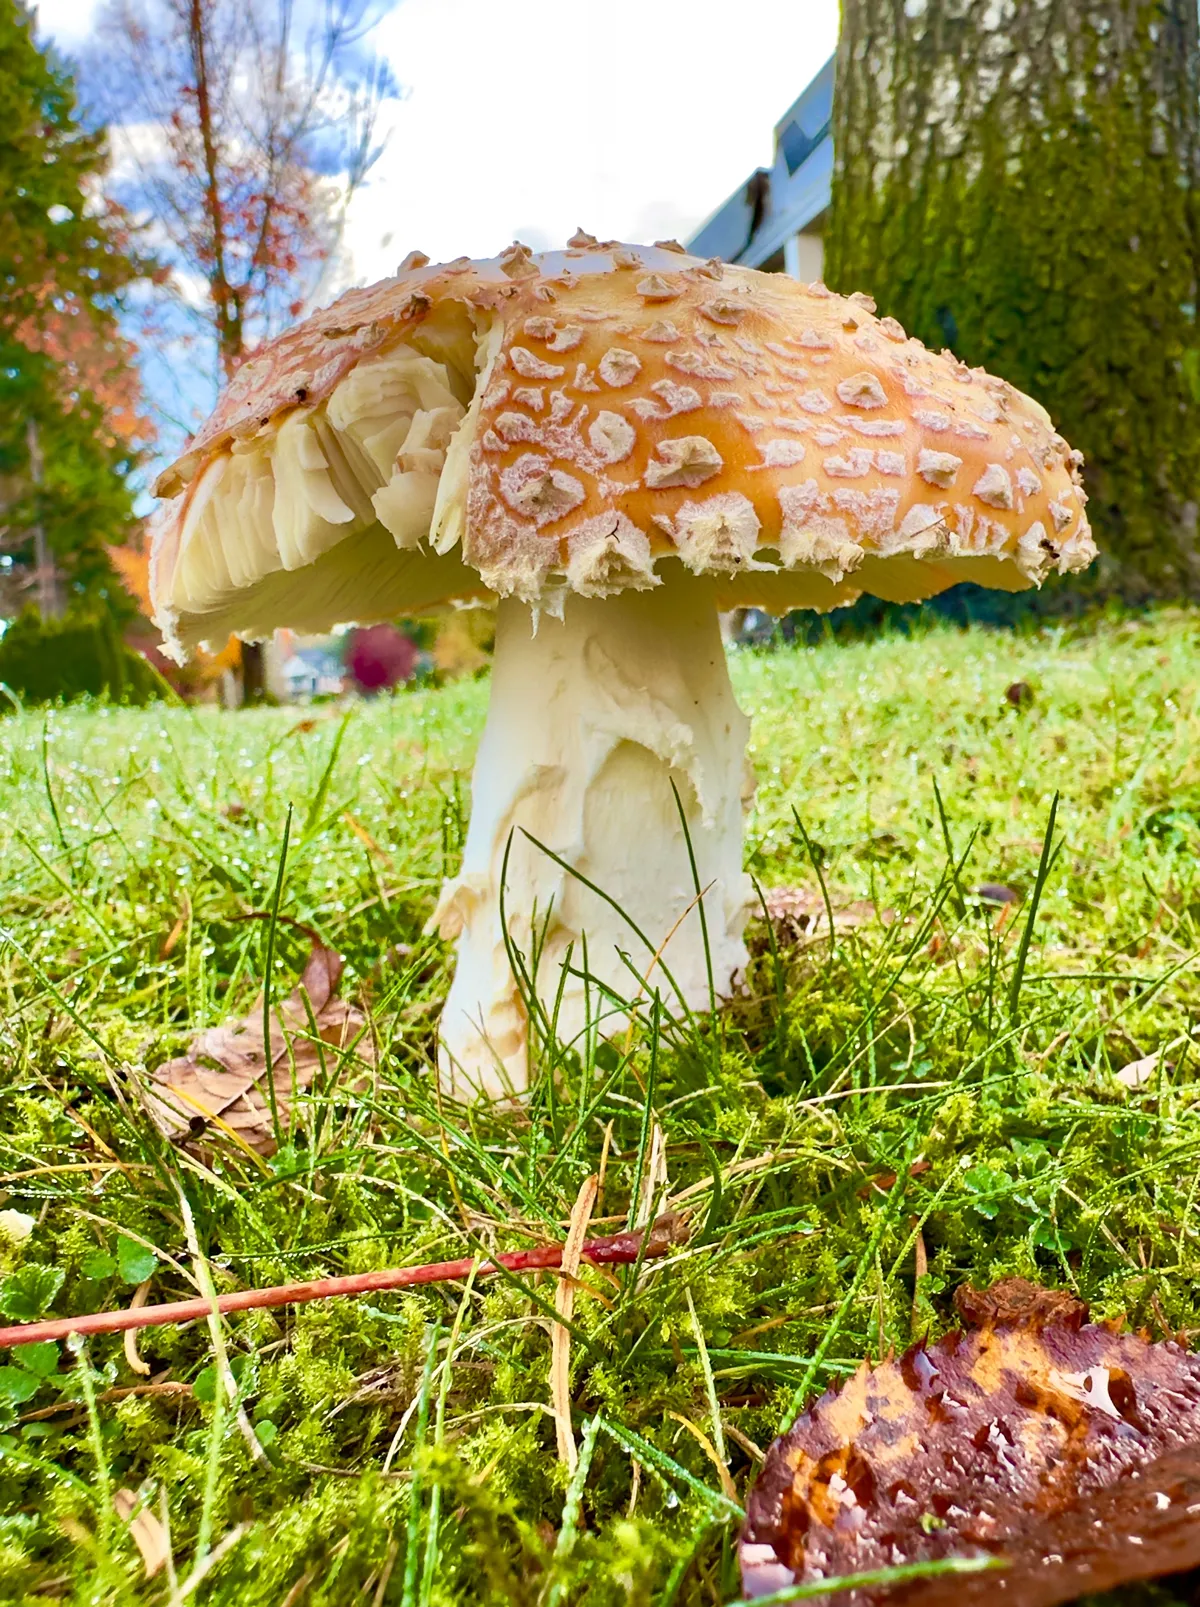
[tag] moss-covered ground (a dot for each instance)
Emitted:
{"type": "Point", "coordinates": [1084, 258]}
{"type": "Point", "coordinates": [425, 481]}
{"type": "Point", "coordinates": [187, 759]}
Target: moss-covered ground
{"type": "Point", "coordinates": [934, 1087]}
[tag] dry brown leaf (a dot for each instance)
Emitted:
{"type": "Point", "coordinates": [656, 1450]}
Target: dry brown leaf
{"type": "Point", "coordinates": [1139, 1072]}
{"type": "Point", "coordinates": [798, 914]}
{"type": "Point", "coordinates": [1067, 1449]}
{"type": "Point", "coordinates": [146, 1531]}
{"type": "Point", "coordinates": [223, 1080]}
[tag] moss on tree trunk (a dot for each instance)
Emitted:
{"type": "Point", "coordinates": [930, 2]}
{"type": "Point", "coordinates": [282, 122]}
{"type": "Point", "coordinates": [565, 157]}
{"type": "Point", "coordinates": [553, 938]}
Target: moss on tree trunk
{"type": "Point", "coordinates": [1020, 180]}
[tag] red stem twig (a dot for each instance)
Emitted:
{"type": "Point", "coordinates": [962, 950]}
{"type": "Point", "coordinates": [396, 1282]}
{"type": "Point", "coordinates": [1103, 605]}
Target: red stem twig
{"type": "Point", "coordinates": [619, 1248]}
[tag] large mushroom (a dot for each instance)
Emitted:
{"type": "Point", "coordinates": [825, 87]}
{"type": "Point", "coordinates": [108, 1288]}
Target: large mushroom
{"type": "Point", "coordinates": [615, 443]}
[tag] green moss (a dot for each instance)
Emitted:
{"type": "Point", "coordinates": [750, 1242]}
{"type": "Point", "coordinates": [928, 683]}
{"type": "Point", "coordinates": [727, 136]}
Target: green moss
{"type": "Point", "coordinates": [1046, 228]}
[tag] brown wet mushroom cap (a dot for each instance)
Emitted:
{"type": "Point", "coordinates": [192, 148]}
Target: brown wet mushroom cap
{"type": "Point", "coordinates": [632, 404]}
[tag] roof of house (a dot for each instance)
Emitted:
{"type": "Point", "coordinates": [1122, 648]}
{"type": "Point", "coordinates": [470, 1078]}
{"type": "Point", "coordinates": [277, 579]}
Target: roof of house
{"type": "Point", "coordinates": [780, 201]}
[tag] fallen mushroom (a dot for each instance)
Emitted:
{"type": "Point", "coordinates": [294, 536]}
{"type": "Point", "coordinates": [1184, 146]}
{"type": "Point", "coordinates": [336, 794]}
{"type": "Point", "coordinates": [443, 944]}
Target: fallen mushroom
{"type": "Point", "coordinates": [616, 442]}
{"type": "Point", "coordinates": [1067, 1450]}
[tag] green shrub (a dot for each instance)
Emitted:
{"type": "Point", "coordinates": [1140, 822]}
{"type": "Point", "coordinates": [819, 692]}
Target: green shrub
{"type": "Point", "coordinates": [59, 660]}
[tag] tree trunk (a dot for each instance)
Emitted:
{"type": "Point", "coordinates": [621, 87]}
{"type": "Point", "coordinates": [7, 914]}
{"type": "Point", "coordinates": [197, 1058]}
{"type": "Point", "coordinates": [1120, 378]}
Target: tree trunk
{"type": "Point", "coordinates": [254, 673]}
{"type": "Point", "coordinates": [45, 572]}
{"type": "Point", "coordinates": [1020, 180]}
{"type": "Point", "coordinates": [227, 302]}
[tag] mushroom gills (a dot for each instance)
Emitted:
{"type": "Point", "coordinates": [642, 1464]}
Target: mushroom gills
{"type": "Point", "coordinates": [374, 452]}
{"type": "Point", "coordinates": [598, 721]}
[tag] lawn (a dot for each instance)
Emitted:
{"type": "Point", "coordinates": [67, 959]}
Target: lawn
{"type": "Point", "coordinates": [934, 1085]}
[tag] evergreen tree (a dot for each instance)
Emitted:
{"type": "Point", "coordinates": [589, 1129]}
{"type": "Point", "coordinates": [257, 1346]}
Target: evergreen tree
{"type": "Point", "coordinates": [1021, 182]}
{"type": "Point", "coordinates": [69, 418]}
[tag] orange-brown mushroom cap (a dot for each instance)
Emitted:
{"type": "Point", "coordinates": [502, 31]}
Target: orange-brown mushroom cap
{"type": "Point", "coordinates": [627, 404]}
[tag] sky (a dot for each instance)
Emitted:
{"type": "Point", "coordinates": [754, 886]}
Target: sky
{"type": "Point", "coordinates": [525, 119]}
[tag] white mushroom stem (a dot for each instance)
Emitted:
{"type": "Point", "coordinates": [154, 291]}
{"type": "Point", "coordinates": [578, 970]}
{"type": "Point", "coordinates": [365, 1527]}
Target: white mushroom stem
{"type": "Point", "coordinates": [592, 718]}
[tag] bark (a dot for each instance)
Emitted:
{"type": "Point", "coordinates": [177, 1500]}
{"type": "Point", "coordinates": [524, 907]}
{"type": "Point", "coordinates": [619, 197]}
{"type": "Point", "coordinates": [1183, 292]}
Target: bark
{"type": "Point", "coordinates": [254, 673]}
{"type": "Point", "coordinates": [226, 299]}
{"type": "Point", "coordinates": [1020, 180]}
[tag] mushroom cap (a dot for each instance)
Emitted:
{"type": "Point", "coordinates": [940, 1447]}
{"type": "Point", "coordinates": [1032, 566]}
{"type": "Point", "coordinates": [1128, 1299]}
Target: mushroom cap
{"type": "Point", "coordinates": [596, 410]}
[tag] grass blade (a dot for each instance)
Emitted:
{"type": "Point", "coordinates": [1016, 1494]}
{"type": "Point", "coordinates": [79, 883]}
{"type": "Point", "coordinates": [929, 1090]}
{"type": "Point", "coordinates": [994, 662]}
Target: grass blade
{"type": "Point", "coordinates": [269, 977]}
{"type": "Point", "coordinates": [1048, 856]}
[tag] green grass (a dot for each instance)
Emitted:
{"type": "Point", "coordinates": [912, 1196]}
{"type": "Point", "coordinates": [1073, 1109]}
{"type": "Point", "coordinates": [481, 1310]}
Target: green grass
{"type": "Point", "coordinates": [408, 1453]}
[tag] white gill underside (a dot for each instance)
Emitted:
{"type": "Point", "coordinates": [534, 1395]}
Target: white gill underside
{"type": "Point", "coordinates": [371, 455]}
{"type": "Point", "coordinates": [591, 720]}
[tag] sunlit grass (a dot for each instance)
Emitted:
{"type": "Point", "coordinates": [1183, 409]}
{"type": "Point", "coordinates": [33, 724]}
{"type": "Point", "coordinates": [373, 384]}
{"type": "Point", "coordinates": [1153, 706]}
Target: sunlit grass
{"type": "Point", "coordinates": [140, 850]}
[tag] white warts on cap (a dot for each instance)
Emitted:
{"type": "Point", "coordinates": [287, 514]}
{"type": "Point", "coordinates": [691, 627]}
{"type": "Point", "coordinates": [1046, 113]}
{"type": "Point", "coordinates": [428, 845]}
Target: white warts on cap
{"type": "Point", "coordinates": [532, 488]}
{"type": "Point", "coordinates": [517, 261]}
{"type": "Point", "coordinates": [558, 338]}
{"type": "Point", "coordinates": [853, 466]}
{"type": "Point", "coordinates": [609, 554]}
{"type": "Point", "coordinates": [930, 419]}
{"type": "Point", "coordinates": [923, 530]}
{"type": "Point", "coordinates": [873, 426]}
{"type": "Point", "coordinates": [938, 468]}
{"type": "Point", "coordinates": [815, 402]}
{"type": "Point", "coordinates": [813, 539]}
{"type": "Point", "coordinates": [655, 288]}
{"type": "Point", "coordinates": [994, 487]}
{"type": "Point", "coordinates": [530, 367]}
{"type": "Point", "coordinates": [612, 437]}
{"type": "Point", "coordinates": [699, 366]}
{"type": "Point", "coordinates": [619, 367]}
{"type": "Point", "coordinates": [516, 427]}
{"type": "Point", "coordinates": [723, 311]}
{"type": "Point", "coordinates": [676, 398]}
{"type": "Point", "coordinates": [687, 460]}
{"type": "Point", "coordinates": [862, 390]}
{"type": "Point", "coordinates": [781, 454]}
{"type": "Point", "coordinates": [719, 533]}
{"type": "Point", "coordinates": [661, 332]}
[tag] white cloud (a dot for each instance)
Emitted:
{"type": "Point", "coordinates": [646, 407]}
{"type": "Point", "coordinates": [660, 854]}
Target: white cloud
{"type": "Point", "coordinates": [631, 118]}
{"type": "Point", "coordinates": [65, 21]}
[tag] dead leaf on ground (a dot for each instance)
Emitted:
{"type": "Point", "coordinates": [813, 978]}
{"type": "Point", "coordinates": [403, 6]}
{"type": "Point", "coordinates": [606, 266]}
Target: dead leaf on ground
{"type": "Point", "coordinates": [799, 915]}
{"type": "Point", "coordinates": [146, 1531]}
{"type": "Point", "coordinates": [1139, 1072]}
{"type": "Point", "coordinates": [1067, 1449]}
{"type": "Point", "coordinates": [883, 1181]}
{"type": "Point", "coordinates": [223, 1080]}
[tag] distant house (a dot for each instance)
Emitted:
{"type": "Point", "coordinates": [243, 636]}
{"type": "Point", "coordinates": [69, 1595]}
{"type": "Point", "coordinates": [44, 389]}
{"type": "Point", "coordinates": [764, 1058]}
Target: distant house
{"type": "Point", "coordinates": [776, 219]}
{"type": "Point", "coordinates": [313, 670]}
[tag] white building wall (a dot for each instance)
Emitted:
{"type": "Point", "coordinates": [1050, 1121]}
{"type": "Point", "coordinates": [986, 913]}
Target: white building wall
{"type": "Point", "coordinates": [804, 256]}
